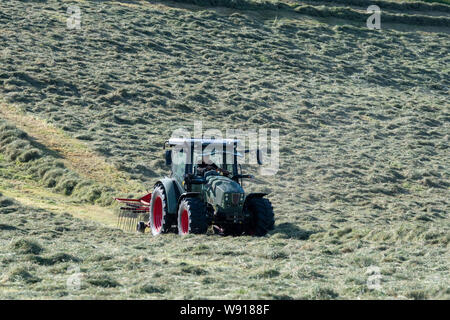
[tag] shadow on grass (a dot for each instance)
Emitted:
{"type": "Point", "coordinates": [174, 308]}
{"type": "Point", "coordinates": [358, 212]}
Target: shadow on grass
{"type": "Point", "coordinates": [44, 148]}
{"type": "Point", "coordinates": [291, 231]}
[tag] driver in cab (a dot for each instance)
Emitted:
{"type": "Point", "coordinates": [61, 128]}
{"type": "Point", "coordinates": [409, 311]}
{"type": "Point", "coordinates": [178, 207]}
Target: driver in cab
{"type": "Point", "coordinates": [208, 165]}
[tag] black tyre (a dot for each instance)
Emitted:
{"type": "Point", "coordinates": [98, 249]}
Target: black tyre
{"type": "Point", "coordinates": [262, 219]}
{"type": "Point", "coordinates": [160, 220]}
{"type": "Point", "coordinates": [234, 230]}
{"type": "Point", "coordinates": [231, 230]}
{"type": "Point", "coordinates": [192, 216]}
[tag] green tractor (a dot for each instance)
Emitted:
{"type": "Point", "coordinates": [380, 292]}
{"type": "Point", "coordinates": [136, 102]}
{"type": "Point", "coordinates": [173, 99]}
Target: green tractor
{"type": "Point", "coordinates": [204, 189]}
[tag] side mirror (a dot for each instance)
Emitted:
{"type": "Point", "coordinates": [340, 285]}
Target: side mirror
{"type": "Point", "coordinates": [259, 156]}
{"type": "Point", "coordinates": [168, 157]}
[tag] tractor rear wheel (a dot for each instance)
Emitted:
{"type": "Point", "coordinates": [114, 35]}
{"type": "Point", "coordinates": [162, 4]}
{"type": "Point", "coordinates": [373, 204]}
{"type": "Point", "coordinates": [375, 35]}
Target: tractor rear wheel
{"type": "Point", "coordinates": [192, 216]}
{"type": "Point", "coordinates": [160, 220]}
{"type": "Point", "coordinates": [261, 217]}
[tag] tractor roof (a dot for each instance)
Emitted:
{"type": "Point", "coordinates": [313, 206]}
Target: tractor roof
{"type": "Point", "coordinates": [204, 142]}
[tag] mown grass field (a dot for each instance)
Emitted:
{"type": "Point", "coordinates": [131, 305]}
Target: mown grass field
{"type": "Point", "coordinates": [363, 116]}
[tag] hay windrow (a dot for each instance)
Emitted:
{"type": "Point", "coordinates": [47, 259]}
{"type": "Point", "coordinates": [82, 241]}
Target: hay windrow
{"type": "Point", "coordinates": [342, 12]}
{"type": "Point", "coordinates": [350, 14]}
{"type": "Point", "coordinates": [49, 171]}
{"type": "Point", "coordinates": [442, 6]}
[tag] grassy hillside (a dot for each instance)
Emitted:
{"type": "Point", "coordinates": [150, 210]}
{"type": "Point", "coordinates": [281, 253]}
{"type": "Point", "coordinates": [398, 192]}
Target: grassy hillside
{"type": "Point", "coordinates": [40, 252]}
{"type": "Point", "coordinates": [363, 118]}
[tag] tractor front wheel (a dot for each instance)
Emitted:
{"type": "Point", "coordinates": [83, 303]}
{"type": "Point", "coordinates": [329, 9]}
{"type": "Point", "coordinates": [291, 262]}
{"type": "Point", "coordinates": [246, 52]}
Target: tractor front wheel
{"type": "Point", "coordinates": [192, 216]}
{"type": "Point", "coordinates": [261, 217]}
{"type": "Point", "coordinates": [160, 220]}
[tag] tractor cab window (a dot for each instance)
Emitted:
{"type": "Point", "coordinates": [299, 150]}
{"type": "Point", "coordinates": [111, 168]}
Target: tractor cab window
{"type": "Point", "coordinates": [217, 158]}
{"type": "Point", "coordinates": [208, 155]}
{"type": "Point", "coordinates": [216, 155]}
{"type": "Point", "coordinates": [230, 162]}
{"type": "Point", "coordinates": [178, 164]}
{"type": "Point", "coordinates": [197, 158]}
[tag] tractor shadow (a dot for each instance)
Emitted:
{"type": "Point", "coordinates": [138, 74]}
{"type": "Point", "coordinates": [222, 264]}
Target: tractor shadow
{"type": "Point", "coordinates": [291, 231]}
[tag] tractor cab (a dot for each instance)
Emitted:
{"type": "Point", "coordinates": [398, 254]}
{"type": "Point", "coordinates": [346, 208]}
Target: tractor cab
{"type": "Point", "coordinates": [193, 160]}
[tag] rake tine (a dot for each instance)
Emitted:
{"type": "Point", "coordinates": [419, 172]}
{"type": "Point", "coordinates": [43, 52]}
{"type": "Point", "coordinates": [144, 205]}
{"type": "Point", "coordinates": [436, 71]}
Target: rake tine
{"type": "Point", "coordinates": [133, 224]}
{"type": "Point", "coordinates": [135, 221]}
{"type": "Point", "coordinates": [130, 223]}
{"type": "Point", "coordinates": [118, 219]}
{"type": "Point", "coordinates": [127, 220]}
{"type": "Point", "coordinates": [124, 217]}
{"type": "Point", "coordinates": [122, 220]}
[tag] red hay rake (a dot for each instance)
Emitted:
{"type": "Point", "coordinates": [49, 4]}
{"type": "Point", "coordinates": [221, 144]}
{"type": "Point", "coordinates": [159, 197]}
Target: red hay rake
{"type": "Point", "coordinates": [132, 211]}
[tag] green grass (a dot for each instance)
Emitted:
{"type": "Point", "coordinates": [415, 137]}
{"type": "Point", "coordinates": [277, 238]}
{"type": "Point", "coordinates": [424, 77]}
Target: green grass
{"type": "Point", "coordinates": [48, 251]}
{"type": "Point", "coordinates": [363, 117]}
